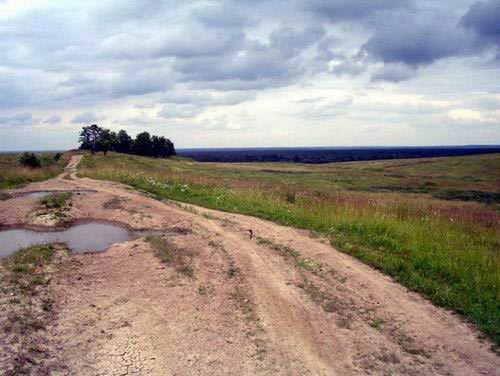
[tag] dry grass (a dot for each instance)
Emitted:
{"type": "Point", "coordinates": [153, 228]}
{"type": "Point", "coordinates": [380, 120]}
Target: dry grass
{"type": "Point", "coordinates": [13, 175]}
{"type": "Point", "coordinates": [25, 279]}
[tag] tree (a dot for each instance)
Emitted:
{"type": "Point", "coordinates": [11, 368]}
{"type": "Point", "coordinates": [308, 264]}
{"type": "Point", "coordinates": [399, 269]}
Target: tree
{"type": "Point", "coordinates": [89, 137]}
{"type": "Point", "coordinates": [30, 160]}
{"type": "Point", "coordinates": [123, 142]}
{"type": "Point", "coordinates": [106, 141]}
{"type": "Point", "coordinates": [142, 144]}
{"type": "Point", "coordinates": [170, 148]}
{"type": "Point", "coordinates": [158, 146]}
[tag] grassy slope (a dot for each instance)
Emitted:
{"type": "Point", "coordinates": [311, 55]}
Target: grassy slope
{"type": "Point", "coordinates": [13, 175]}
{"type": "Point", "coordinates": [445, 249]}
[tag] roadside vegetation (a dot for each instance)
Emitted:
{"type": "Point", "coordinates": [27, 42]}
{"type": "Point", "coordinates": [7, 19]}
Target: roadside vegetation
{"type": "Point", "coordinates": [55, 205]}
{"type": "Point", "coordinates": [385, 213]}
{"type": "Point", "coordinates": [27, 308]}
{"type": "Point", "coordinates": [20, 169]}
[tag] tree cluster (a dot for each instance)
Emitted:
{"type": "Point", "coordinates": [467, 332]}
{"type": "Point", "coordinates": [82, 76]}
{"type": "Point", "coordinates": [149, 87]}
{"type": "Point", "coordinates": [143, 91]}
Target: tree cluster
{"type": "Point", "coordinates": [95, 138]}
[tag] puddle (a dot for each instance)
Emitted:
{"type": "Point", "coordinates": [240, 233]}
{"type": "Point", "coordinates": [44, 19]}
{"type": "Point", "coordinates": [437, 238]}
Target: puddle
{"type": "Point", "coordinates": [41, 194]}
{"type": "Point", "coordinates": [87, 237]}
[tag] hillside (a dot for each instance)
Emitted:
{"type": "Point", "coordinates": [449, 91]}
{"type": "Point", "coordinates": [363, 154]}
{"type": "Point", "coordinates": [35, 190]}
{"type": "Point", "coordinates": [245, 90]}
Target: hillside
{"type": "Point", "coordinates": [203, 291]}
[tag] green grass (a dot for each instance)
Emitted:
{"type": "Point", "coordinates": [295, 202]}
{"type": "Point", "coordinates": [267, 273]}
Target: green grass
{"type": "Point", "coordinates": [56, 201]}
{"type": "Point", "coordinates": [26, 267]}
{"type": "Point", "coordinates": [13, 175]}
{"type": "Point", "coordinates": [385, 213]}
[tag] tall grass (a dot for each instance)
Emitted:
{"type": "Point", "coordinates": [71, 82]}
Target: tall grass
{"type": "Point", "coordinates": [446, 250]}
{"type": "Point", "coordinates": [13, 174]}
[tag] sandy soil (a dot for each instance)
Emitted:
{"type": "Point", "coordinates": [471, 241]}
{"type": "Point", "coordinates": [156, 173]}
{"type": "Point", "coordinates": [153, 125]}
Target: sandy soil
{"type": "Point", "coordinates": [249, 308]}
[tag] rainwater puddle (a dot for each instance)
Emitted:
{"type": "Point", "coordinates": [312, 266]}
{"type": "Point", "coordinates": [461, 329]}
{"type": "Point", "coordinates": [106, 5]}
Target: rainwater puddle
{"type": "Point", "coordinates": [41, 194]}
{"type": "Point", "coordinates": [82, 238]}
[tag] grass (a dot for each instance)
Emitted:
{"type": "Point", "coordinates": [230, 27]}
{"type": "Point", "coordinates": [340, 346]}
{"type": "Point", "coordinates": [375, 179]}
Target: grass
{"type": "Point", "coordinates": [13, 175]}
{"type": "Point", "coordinates": [57, 201]}
{"type": "Point", "coordinates": [25, 277]}
{"type": "Point", "coordinates": [298, 260]}
{"type": "Point", "coordinates": [385, 213]}
{"type": "Point", "coordinates": [26, 267]}
{"type": "Point", "coordinates": [172, 255]}
{"type": "Point", "coordinates": [56, 205]}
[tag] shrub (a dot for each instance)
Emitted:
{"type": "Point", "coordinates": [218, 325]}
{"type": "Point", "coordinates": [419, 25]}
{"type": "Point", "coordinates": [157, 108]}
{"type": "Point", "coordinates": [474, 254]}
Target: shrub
{"type": "Point", "coordinates": [30, 160]}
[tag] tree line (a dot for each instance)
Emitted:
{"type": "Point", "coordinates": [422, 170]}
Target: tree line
{"type": "Point", "coordinates": [95, 138]}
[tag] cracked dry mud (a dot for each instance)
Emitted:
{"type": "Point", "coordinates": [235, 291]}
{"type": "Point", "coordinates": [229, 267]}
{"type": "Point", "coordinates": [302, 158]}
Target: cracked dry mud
{"type": "Point", "coordinates": [249, 307]}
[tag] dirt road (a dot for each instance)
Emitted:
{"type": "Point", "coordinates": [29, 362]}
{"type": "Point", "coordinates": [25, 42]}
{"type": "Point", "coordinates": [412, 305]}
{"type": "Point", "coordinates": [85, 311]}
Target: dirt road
{"type": "Point", "coordinates": [282, 302]}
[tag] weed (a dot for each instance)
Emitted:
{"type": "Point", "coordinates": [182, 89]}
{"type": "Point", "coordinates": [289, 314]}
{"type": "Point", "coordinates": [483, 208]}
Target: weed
{"type": "Point", "coordinates": [170, 254]}
{"type": "Point", "coordinates": [114, 203]}
{"type": "Point", "coordinates": [376, 324]}
{"type": "Point", "coordinates": [58, 201]}
{"type": "Point", "coordinates": [232, 270]}
{"type": "Point", "coordinates": [201, 290]}
{"type": "Point", "coordinates": [300, 262]}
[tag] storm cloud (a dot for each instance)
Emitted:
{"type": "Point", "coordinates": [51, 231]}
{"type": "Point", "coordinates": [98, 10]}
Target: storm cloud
{"type": "Point", "coordinates": [162, 61]}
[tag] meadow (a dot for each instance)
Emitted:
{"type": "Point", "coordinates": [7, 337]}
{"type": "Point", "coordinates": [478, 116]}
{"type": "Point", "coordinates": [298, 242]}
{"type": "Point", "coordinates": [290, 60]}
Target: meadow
{"type": "Point", "coordinates": [13, 174]}
{"type": "Point", "coordinates": [432, 224]}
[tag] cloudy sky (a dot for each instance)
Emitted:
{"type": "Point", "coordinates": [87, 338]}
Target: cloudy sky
{"type": "Point", "coordinates": [251, 73]}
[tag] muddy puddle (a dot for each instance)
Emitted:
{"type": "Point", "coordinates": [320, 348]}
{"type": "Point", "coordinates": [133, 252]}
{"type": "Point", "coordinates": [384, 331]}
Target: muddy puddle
{"type": "Point", "coordinates": [41, 194]}
{"type": "Point", "coordinates": [81, 238]}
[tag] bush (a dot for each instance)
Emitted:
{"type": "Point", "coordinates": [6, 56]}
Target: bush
{"type": "Point", "coordinates": [30, 160]}
{"type": "Point", "coordinates": [57, 157]}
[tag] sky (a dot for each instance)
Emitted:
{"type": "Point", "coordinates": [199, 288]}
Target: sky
{"type": "Point", "coordinates": [236, 73]}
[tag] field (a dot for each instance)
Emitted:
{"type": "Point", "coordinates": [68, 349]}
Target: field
{"type": "Point", "coordinates": [13, 174]}
{"type": "Point", "coordinates": [432, 224]}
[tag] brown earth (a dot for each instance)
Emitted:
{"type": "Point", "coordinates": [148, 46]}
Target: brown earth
{"type": "Point", "coordinates": [282, 302]}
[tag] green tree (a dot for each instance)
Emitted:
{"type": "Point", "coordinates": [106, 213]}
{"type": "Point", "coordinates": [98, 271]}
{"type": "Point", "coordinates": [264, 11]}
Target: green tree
{"type": "Point", "coordinates": [142, 144]}
{"type": "Point", "coordinates": [106, 141]}
{"type": "Point", "coordinates": [89, 137]}
{"type": "Point", "coordinates": [123, 142]}
{"type": "Point", "coordinates": [170, 148]}
{"type": "Point", "coordinates": [158, 146]}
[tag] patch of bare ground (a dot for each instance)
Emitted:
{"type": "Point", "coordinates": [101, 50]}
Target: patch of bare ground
{"type": "Point", "coordinates": [200, 296]}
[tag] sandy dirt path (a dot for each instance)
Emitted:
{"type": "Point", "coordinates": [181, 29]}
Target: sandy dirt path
{"type": "Point", "coordinates": [282, 302]}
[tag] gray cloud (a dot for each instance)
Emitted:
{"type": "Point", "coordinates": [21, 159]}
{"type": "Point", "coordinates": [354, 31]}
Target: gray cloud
{"type": "Point", "coordinates": [86, 117]}
{"type": "Point", "coordinates": [484, 19]}
{"type": "Point", "coordinates": [177, 59]}
{"type": "Point", "coordinates": [22, 119]}
{"type": "Point", "coordinates": [53, 120]}
{"type": "Point", "coordinates": [393, 73]}
{"type": "Point", "coordinates": [352, 10]}
{"type": "Point", "coordinates": [180, 111]}
{"type": "Point", "coordinates": [417, 39]}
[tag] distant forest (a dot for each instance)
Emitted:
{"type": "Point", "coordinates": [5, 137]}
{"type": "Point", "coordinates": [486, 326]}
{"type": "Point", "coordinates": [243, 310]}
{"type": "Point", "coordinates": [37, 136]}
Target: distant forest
{"type": "Point", "coordinates": [328, 155]}
{"type": "Point", "coordinates": [95, 138]}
